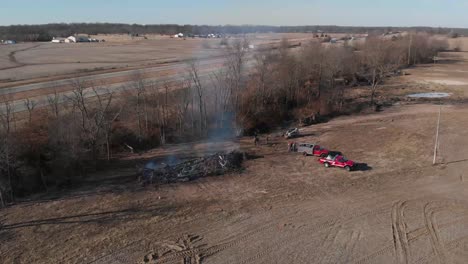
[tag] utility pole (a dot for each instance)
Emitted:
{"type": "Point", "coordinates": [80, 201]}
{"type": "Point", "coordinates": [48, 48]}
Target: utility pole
{"type": "Point", "coordinates": [437, 137]}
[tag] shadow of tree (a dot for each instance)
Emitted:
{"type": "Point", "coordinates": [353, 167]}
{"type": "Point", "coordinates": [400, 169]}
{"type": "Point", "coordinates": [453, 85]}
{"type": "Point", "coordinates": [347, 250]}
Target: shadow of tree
{"type": "Point", "coordinates": [456, 161]}
{"type": "Point", "coordinates": [100, 218]}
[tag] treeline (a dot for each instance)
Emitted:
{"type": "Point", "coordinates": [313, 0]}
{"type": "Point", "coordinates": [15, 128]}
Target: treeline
{"type": "Point", "coordinates": [47, 31]}
{"type": "Point", "coordinates": [49, 148]}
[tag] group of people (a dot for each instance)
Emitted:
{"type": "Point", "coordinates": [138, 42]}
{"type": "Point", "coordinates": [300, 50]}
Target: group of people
{"type": "Point", "coordinates": [256, 139]}
{"type": "Point", "coordinates": [292, 147]}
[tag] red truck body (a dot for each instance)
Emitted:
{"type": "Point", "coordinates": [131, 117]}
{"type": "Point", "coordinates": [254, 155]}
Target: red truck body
{"type": "Point", "coordinates": [319, 151]}
{"type": "Point", "coordinates": [337, 161]}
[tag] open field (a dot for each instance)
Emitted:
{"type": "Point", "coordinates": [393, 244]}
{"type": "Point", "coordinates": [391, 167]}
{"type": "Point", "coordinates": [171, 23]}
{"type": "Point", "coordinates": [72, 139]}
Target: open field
{"type": "Point", "coordinates": [461, 43]}
{"type": "Point", "coordinates": [30, 61]}
{"type": "Point", "coordinates": [49, 59]}
{"type": "Point", "coordinates": [284, 208]}
{"type": "Point", "coordinates": [35, 71]}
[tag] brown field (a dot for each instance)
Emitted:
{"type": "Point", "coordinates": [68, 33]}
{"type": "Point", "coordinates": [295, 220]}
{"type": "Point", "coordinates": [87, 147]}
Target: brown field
{"type": "Point", "coordinates": [461, 43]}
{"type": "Point", "coordinates": [49, 59]}
{"type": "Point", "coordinates": [284, 208]}
{"type": "Point", "coordinates": [28, 61]}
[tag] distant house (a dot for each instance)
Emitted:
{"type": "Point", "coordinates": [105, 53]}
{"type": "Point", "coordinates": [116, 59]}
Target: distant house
{"type": "Point", "coordinates": [58, 40]}
{"type": "Point", "coordinates": [71, 39]}
{"type": "Point", "coordinates": [77, 38]}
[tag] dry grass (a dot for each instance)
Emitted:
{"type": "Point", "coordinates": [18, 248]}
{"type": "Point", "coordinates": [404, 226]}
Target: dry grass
{"type": "Point", "coordinates": [284, 208]}
{"type": "Point", "coordinates": [119, 51]}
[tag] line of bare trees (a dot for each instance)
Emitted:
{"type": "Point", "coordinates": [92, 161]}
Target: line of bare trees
{"type": "Point", "coordinates": [51, 147]}
{"type": "Point", "coordinates": [47, 31]}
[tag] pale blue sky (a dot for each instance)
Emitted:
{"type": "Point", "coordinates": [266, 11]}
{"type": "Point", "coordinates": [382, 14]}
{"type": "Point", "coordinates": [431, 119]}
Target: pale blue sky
{"type": "Point", "coordinates": [444, 13]}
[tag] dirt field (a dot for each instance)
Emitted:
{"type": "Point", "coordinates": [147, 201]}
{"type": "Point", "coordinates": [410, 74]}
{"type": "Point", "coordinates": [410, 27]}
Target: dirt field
{"type": "Point", "coordinates": [49, 59]}
{"type": "Point", "coordinates": [461, 43]}
{"type": "Point", "coordinates": [30, 60]}
{"type": "Point", "coordinates": [284, 208]}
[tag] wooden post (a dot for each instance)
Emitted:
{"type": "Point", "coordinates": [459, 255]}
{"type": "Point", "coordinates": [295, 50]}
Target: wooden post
{"type": "Point", "coordinates": [437, 138]}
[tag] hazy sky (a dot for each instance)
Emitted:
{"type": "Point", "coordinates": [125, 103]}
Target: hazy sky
{"type": "Point", "coordinates": [444, 13]}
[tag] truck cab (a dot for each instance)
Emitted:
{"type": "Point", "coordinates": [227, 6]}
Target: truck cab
{"type": "Point", "coordinates": [339, 161]}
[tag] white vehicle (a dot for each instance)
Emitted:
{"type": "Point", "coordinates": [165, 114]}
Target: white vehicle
{"type": "Point", "coordinates": [292, 133]}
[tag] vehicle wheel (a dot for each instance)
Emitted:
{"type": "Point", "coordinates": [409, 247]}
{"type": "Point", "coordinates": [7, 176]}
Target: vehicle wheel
{"type": "Point", "coordinates": [305, 154]}
{"type": "Point", "coordinates": [347, 168]}
{"type": "Point", "coordinates": [326, 165]}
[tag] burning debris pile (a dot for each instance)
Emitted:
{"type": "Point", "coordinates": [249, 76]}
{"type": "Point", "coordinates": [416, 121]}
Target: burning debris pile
{"type": "Point", "coordinates": [211, 165]}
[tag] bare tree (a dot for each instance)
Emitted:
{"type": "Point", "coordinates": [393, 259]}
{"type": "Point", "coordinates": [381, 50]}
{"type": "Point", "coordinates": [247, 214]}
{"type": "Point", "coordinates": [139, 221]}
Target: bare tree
{"type": "Point", "coordinates": [164, 113]}
{"type": "Point", "coordinates": [7, 115]}
{"type": "Point", "coordinates": [235, 63]}
{"type": "Point", "coordinates": [104, 116]}
{"type": "Point", "coordinates": [380, 60]}
{"type": "Point", "coordinates": [78, 101]}
{"type": "Point", "coordinates": [313, 60]}
{"type": "Point", "coordinates": [30, 106]}
{"type": "Point", "coordinates": [194, 73]}
{"type": "Point", "coordinates": [140, 100]}
{"type": "Point", "coordinates": [182, 98]}
{"type": "Point", "coordinates": [54, 103]}
{"type": "Point", "coordinates": [7, 158]}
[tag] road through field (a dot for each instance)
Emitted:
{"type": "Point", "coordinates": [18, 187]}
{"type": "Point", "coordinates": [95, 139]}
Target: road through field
{"type": "Point", "coordinates": [109, 82]}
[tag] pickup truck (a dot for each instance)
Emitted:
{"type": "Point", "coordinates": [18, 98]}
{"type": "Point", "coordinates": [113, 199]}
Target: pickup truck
{"type": "Point", "coordinates": [337, 161]}
{"type": "Point", "coordinates": [291, 133]}
{"type": "Point", "coordinates": [312, 149]}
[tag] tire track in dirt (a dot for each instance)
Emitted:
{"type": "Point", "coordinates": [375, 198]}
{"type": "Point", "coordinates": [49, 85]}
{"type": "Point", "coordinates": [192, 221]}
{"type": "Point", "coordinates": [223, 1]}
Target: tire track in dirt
{"type": "Point", "coordinates": [233, 241]}
{"type": "Point", "coordinates": [433, 230]}
{"type": "Point", "coordinates": [269, 249]}
{"type": "Point", "coordinates": [449, 246]}
{"type": "Point", "coordinates": [374, 254]}
{"type": "Point", "coordinates": [237, 240]}
{"type": "Point", "coordinates": [351, 245]}
{"type": "Point", "coordinates": [400, 243]}
{"type": "Point", "coordinates": [430, 210]}
{"type": "Point", "coordinates": [329, 241]}
{"type": "Point", "coordinates": [330, 224]}
{"type": "Point", "coordinates": [419, 233]}
{"type": "Point", "coordinates": [400, 238]}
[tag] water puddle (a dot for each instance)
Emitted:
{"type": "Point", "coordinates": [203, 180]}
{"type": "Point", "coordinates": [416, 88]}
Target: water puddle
{"type": "Point", "coordinates": [429, 95]}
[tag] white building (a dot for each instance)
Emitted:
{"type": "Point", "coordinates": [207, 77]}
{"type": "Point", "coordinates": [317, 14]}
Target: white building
{"type": "Point", "coordinates": [58, 40]}
{"type": "Point", "coordinates": [71, 39]}
{"type": "Point", "coordinates": [78, 38]}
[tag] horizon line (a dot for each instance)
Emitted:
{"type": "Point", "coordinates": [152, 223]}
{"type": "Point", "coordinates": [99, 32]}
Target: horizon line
{"type": "Point", "coordinates": [225, 25]}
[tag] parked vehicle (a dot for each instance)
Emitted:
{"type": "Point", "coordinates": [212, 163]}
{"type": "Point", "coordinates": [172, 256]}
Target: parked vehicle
{"type": "Point", "coordinates": [292, 133]}
{"type": "Point", "coordinates": [337, 161]}
{"type": "Point", "coordinates": [312, 150]}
